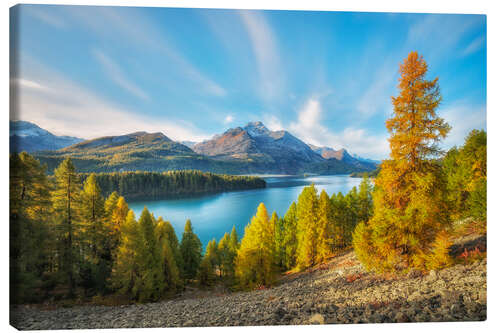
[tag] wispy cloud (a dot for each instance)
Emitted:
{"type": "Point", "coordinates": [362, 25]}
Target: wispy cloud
{"type": "Point", "coordinates": [439, 34]}
{"type": "Point", "coordinates": [463, 117]}
{"type": "Point", "coordinates": [28, 84]}
{"type": "Point", "coordinates": [116, 74]}
{"type": "Point", "coordinates": [475, 45]}
{"type": "Point", "coordinates": [266, 53]}
{"type": "Point", "coordinates": [114, 24]}
{"type": "Point", "coordinates": [309, 128]}
{"type": "Point", "coordinates": [63, 107]}
{"type": "Point", "coordinates": [377, 97]}
{"type": "Point", "coordinates": [273, 123]}
{"type": "Point", "coordinates": [44, 15]}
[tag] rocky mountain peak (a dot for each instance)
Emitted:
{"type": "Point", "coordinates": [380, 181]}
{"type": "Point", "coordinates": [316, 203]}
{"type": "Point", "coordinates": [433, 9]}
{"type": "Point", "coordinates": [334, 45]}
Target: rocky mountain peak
{"type": "Point", "coordinates": [256, 128]}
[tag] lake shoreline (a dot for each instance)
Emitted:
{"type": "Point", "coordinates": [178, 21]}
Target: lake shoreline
{"type": "Point", "coordinates": [213, 214]}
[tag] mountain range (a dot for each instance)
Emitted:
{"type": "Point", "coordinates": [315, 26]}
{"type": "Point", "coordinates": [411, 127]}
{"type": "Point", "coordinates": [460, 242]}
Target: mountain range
{"type": "Point", "coordinates": [26, 136]}
{"type": "Point", "coordinates": [279, 150]}
{"type": "Point", "coordinates": [241, 150]}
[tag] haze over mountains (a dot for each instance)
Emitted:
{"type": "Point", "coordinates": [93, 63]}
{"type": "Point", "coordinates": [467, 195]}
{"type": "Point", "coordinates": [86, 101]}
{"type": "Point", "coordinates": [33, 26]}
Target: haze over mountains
{"type": "Point", "coordinates": [26, 136]}
{"type": "Point", "coordinates": [241, 150]}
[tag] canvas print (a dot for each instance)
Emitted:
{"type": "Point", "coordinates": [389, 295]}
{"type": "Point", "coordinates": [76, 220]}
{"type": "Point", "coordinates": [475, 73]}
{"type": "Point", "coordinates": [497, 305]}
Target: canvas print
{"type": "Point", "coordinates": [222, 167]}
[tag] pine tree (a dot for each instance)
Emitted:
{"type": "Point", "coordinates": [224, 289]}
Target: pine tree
{"type": "Point", "coordinates": [151, 282]}
{"type": "Point", "coordinates": [351, 215]}
{"type": "Point", "coordinates": [307, 228]}
{"type": "Point", "coordinates": [209, 264]}
{"type": "Point", "coordinates": [206, 274]}
{"type": "Point", "coordinates": [275, 222]}
{"type": "Point", "coordinates": [290, 236]}
{"type": "Point", "coordinates": [174, 245]}
{"type": "Point", "coordinates": [439, 257]}
{"type": "Point", "coordinates": [256, 255]}
{"type": "Point", "coordinates": [94, 269]}
{"type": "Point", "coordinates": [226, 257]}
{"type": "Point", "coordinates": [365, 195]}
{"type": "Point", "coordinates": [125, 274]}
{"type": "Point", "coordinates": [324, 227]}
{"type": "Point", "coordinates": [409, 205]}
{"type": "Point", "coordinates": [190, 251]}
{"type": "Point", "coordinates": [31, 232]}
{"type": "Point", "coordinates": [340, 218]}
{"type": "Point", "coordinates": [92, 212]}
{"type": "Point", "coordinates": [169, 264]}
{"type": "Point", "coordinates": [65, 199]}
{"type": "Point", "coordinates": [465, 170]}
{"type": "Point", "coordinates": [280, 246]}
{"type": "Point", "coordinates": [110, 204]}
{"type": "Point", "coordinates": [476, 203]}
{"type": "Point", "coordinates": [119, 214]}
{"type": "Point", "coordinates": [235, 241]}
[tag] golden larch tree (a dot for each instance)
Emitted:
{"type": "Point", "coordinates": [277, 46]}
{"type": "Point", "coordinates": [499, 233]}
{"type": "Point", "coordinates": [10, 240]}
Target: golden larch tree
{"type": "Point", "coordinates": [409, 205]}
{"type": "Point", "coordinates": [255, 258]}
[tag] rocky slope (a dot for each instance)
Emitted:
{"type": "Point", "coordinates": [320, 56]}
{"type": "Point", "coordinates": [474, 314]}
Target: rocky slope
{"type": "Point", "coordinates": [276, 151]}
{"type": "Point", "coordinates": [334, 293]}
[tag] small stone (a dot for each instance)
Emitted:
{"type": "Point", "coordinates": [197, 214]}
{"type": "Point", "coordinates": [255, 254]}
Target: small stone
{"type": "Point", "coordinates": [414, 273]}
{"type": "Point", "coordinates": [279, 313]}
{"type": "Point", "coordinates": [317, 319]}
{"type": "Point", "coordinates": [432, 275]}
{"type": "Point", "coordinates": [401, 318]}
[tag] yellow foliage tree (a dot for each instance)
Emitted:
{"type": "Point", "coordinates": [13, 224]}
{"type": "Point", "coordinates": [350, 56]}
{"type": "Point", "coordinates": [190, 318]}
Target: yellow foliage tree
{"type": "Point", "coordinates": [255, 258]}
{"type": "Point", "coordinates": [308, 232]}
{"type": "Point", "coordinates": [409, 205]}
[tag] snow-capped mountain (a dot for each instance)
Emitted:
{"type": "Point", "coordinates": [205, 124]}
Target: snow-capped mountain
{"type": "Point", "coordinates": [344, 156]}
{"type": "Point", "coordinates": [26, 136]}
{"type": "Point", "coordinates": [279, 151]}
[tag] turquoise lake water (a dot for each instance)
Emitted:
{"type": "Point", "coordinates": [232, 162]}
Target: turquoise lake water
{"type": "Point", "coordinates": [213, 215]}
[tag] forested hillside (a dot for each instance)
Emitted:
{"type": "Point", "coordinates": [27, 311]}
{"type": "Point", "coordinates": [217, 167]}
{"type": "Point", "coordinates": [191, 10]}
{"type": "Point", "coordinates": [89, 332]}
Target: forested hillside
{"type": "Point", "coordinates": [143, 151]}
{"type": "Point", "coordinates": [137, 151]}
{"type": "Point", "coordinates": [169, 184]}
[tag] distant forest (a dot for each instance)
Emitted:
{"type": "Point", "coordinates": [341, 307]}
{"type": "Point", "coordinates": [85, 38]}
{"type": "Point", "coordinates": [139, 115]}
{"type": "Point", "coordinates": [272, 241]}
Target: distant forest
{"type": "Point", "coordinates": [361, 174]}
{"type": "Point", "coordinates": [143, 184]}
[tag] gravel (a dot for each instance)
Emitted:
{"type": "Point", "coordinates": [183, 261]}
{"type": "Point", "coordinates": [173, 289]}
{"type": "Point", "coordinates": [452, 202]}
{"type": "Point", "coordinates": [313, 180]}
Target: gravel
{"type": "Point", "coordinates": [324, 296]}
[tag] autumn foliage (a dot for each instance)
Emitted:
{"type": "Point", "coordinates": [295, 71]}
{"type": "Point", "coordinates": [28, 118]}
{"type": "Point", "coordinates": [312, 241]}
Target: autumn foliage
{"type": "Point", "coordinates": [409, 201]}
{"type": "Point", "coordinates": [255, 260]}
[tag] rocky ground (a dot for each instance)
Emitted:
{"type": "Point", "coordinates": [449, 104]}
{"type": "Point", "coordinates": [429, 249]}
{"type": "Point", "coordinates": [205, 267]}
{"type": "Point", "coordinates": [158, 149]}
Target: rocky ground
{"type": "Point", "coordinates": [337, 292]}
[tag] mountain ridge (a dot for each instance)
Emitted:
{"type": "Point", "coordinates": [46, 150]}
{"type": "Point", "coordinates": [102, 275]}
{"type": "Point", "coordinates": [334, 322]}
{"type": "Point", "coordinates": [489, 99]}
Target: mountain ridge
{"type": "Point", "coordinates": [29, 137]}
{"type": "Point", "coordinates": [254, 141]}
{"type": "Point", "coordinates": [251, 149]}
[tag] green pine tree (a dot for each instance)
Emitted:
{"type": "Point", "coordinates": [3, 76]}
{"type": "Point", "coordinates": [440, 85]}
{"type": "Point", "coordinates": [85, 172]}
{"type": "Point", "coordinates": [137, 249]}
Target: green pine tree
{"type": "Point", "coordinates": [65, 198]}
{"type": "Point", "coordinates": [151, 283]}
{"type": "Point", "coordinates": [290, 236]}
{"type": "Point", "coordinates": [169, 263]}
{"type": "Point", "coordinates": [191, 252]}
{"type": "Point", "coordinates": [31, 231]}
{"type": "Point", "coordinates": [324, 227]}
{"type": "Point", "coordinates": [125, 274]}
{"type": "Point", "coordinates": [94, 268]}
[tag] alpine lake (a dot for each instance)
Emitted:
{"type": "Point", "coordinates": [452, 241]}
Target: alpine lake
{"type": "Point", "coordinates": [214, 214]}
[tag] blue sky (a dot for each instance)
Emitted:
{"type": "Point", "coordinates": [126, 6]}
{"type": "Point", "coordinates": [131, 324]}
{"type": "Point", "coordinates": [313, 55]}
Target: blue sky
{"type": "Point", "coordinates": [327, 77]}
